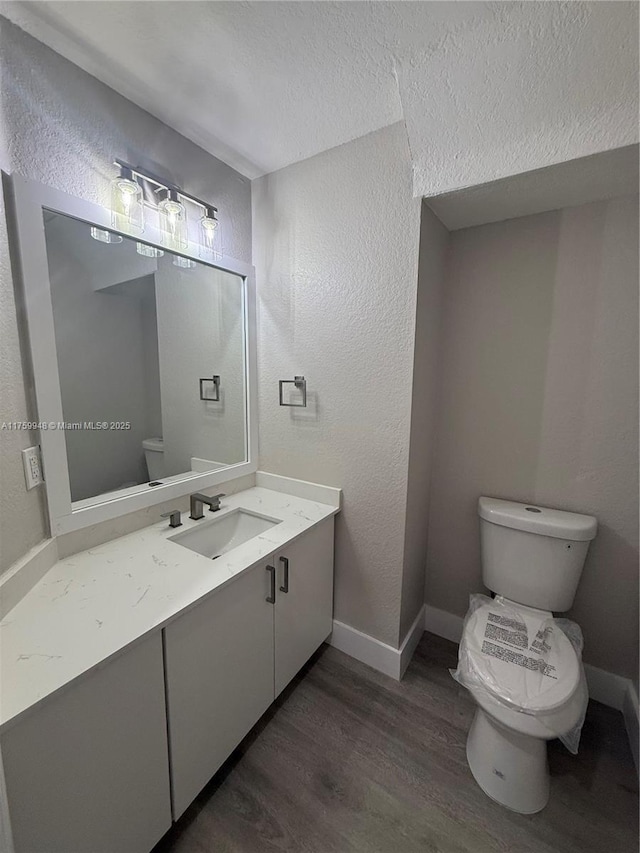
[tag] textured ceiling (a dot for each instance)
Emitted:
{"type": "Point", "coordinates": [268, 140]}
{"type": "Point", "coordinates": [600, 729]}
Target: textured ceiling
{"type": "Point", "coordinates": [539, 84]}
{"type": "Point", "coordinates": [486, 89]}
{"type": "Point", "coordinates": [261, 85]}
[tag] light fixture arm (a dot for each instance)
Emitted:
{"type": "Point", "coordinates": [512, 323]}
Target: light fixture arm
{"type": "Point", "coordinates": [162, 184]}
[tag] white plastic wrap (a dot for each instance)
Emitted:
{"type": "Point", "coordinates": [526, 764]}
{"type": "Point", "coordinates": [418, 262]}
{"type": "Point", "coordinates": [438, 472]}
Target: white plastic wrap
{"type": "Point", "coordinates": [528, 662]}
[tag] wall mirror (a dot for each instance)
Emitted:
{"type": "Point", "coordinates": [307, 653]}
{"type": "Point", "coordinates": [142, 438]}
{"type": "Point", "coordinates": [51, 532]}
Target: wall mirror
{"type": "Point", "coordinates": [144, 360]}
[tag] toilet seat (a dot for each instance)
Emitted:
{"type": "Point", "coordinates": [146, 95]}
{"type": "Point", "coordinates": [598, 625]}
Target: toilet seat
{"type": "Point", "coordinates": [544, 726]}
{"type": "Point", "coordinates": [520, 657]}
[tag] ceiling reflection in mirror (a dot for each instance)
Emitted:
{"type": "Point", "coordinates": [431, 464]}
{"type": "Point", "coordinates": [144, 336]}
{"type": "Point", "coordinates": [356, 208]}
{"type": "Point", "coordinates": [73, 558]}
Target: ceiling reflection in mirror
{"type": "Point", "coordinates": [151, 359]}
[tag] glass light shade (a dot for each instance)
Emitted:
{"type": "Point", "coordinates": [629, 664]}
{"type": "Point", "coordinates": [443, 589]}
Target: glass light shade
{"type": "Point", "coordinates": [103, 236]}
{"type": "Point", "coordinates": [184, 263]}
{"type": "Point", "coordinates": [148, 251]}
{"type": "Point", "coordinates": [127, 210]}
{"type": "Point", "coordinates": [173, 221]}
{"type": "Point", "coordinates": [210, 235]}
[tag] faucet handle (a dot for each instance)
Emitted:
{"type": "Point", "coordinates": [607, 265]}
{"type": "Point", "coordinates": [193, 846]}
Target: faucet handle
{"type": "Point", "coordinates": [174, 518]}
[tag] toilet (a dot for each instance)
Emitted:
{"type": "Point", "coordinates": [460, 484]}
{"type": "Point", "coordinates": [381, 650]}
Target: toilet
{"type": "Point", "coordinates": [154, 456]}
{"type": "Point", "coordinates": [522, 668]}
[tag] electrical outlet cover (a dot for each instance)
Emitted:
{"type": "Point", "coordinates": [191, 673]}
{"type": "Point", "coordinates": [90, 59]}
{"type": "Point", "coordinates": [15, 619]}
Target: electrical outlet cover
{"type": "Point", "coordinates": [32, 467]}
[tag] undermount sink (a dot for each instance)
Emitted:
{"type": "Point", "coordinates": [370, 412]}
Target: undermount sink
{"type": "Point", "coordinates": [216, 537]}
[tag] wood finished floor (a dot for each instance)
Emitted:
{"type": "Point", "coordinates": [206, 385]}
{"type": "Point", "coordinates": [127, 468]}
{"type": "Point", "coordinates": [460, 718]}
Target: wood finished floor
{"type": "Point", "coordinates": [350, 760]}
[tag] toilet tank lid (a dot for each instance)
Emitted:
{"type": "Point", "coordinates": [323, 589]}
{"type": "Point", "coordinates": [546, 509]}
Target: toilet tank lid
{"type": "Point", "coordinates": [156, 444]}
{"type": "Point", "coordinates": [538, 519]}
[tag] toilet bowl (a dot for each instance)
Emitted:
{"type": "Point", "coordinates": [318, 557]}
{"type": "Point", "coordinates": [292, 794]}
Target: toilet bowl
{"type": "Point", "coordinates": [518, 662]}
{"type": "Point", "coordinates": [519, 710]}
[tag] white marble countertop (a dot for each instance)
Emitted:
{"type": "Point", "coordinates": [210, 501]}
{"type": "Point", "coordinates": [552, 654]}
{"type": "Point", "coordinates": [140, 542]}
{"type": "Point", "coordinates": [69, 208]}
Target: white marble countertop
{"type": "Point", "coordinates": [93, 604]}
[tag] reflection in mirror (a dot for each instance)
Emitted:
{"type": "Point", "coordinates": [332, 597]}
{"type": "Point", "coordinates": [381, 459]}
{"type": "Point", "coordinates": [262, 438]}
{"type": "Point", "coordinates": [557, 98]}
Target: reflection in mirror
{"type": "Point", "coordinates": [136, 331]}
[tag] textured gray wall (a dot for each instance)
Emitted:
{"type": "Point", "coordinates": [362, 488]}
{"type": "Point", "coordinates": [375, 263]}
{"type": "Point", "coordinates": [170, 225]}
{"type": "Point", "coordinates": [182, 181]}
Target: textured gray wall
{"type": "Point", "coordinates": [200, 334]}
{"type": "Point", "coordinates": [60, 126]}
{"type": "Point", "coordinates": [100, 350]}
{"type": "Point", "coordinates": [539, 403]}
{"type": "Point", "coordinates": [336, 252]}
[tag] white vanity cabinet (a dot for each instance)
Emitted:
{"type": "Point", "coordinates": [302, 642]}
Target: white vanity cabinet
{"type": "Point", "coordinates": [219, 673]}
{"type": "Point", "coordinates": [107, 759]}
{"type": "Point", "coordinates": [228, 657]}
{"type": "Point", "coordinates": [304, 600]}
{"type": "Point", "coordinates": [88, 770]}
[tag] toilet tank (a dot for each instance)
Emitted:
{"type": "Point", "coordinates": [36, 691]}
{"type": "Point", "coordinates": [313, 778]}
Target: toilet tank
{"type": "Point", "coordinates": [533, 555]}
{"type": "Point", "coordinates": [154, 457]}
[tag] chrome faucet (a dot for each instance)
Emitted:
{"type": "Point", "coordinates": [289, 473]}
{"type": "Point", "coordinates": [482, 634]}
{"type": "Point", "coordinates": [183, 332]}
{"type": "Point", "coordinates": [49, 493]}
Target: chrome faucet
{"type": "Point", "coordinates": [198, 500]}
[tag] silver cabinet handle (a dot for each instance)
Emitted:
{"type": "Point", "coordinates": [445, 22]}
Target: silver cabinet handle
{"type": "Point", "coordinates": [271, 598]}
{"type": "Point", "coordinates": [285, 585]}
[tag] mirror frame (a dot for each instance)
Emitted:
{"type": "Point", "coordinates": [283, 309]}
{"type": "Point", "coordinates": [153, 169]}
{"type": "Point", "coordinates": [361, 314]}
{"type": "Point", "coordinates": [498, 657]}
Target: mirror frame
{"type": "Point", "coordinates": [30, 198]}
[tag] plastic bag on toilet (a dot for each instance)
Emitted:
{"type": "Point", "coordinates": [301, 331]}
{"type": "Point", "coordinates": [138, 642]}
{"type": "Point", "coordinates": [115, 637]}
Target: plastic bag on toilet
{"type": "Point", "coordinates": [515, 656]}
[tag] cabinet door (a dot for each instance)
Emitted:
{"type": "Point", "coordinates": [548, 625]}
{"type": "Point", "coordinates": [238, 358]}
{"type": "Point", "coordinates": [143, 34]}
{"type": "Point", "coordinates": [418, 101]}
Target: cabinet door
{"type": "Point", "coordinates": [304, 611]}
{"type": "Point", "coordinates": [88, 771]}
{"type": "Point", "coordinates": [219, 669]}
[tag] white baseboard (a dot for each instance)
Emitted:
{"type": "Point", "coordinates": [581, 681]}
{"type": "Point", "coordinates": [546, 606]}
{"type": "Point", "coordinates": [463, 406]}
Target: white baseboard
{"type": "Point", "coordinates": [443, 624]}
{"type": "Point", "coordinates": [606, 687]}
{"type": "Point", "coordinates": [386, 659]}
{"type": "Point", "coordinates": [413, 637]}
{"type": "Point", "coordinates": [366, 649]}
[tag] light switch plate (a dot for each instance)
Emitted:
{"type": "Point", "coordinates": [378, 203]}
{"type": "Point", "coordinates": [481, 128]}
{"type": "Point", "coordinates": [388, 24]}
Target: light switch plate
{"type": "Point", "coordinates": [32, 466]}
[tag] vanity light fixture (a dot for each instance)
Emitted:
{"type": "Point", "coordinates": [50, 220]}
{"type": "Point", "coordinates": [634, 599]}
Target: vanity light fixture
{"type": "Point", "coordinates": [135, 188]}
{"type": "Point", "coordinates": [148, 251]}
{"type": "Point", "coordinates": [103, 236]}
{"type": "Point", "coordinates": [127, 208]}
{"type": "Point", "coordinates": [209, 234]}
{"type": "Point", "coordinates": [184, 263]}
{"type": "Point", "coordinates": [173, 219]}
